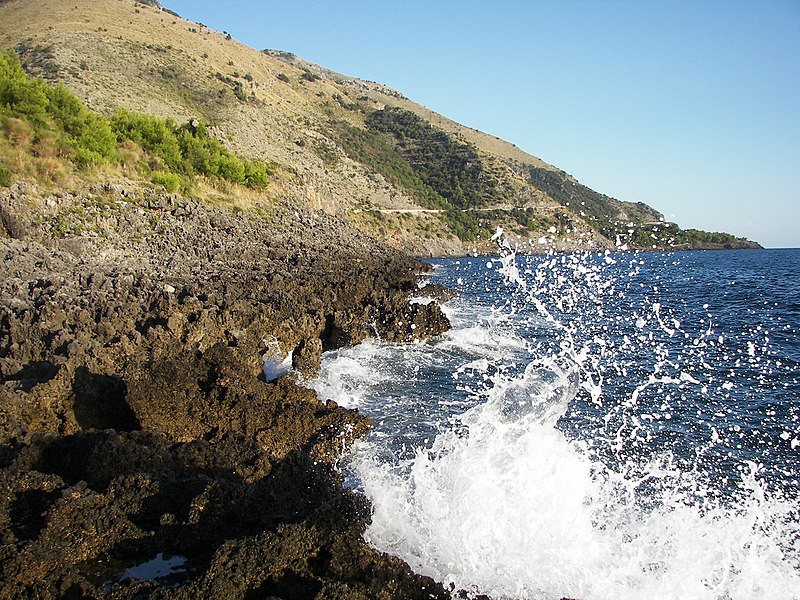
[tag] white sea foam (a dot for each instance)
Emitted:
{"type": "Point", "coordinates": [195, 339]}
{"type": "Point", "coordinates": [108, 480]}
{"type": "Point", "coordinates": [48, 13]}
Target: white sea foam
{"type": "Point", "coordinates": [351, 375]}
{"type": "Point", "coordinates": [492, 495]}
{"type": "Point", "coordinates": [505, 505]}
{"type": "Point", "coordinates": [274, 363]}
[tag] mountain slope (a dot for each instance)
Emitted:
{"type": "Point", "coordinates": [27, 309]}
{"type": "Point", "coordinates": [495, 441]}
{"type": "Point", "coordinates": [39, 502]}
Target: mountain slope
{"type": "Point", "coordinates": [397, 170]}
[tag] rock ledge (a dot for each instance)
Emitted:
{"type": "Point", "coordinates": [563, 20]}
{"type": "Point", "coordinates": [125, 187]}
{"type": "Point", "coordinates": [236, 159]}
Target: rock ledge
{"type": "Point", "coordinates": [135, 421]}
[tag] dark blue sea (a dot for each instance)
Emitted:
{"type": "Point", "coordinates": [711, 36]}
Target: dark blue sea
{"type": "Point", "coordinates": [594, 426]}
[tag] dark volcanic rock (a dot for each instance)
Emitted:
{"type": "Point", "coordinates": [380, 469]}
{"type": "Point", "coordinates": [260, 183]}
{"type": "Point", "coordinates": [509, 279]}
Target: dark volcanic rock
{"type": "Point", "coordinates": [134, 417]}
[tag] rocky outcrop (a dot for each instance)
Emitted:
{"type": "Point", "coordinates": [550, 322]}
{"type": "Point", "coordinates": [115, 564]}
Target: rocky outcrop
{"type": "Point", "coordinates": [136, 422]}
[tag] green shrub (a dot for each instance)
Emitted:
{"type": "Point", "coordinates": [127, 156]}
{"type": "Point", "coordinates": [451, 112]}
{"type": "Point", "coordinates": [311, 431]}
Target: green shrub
{"type": "Point", "coordinates": [370, 148]}
{"type": "Point", "coordinates": [463, 225]}
{"type": "Point", "coordinates": [5, 177]}
{"type": "Point", "coordinates": [155, 136]}
{"type": "Point", "coordinates": [62, 228]}
{"type": "Point", "coordinates": [31, 109]}
{"type": "Point", "coordinates": [21, 95]}
{"type": "Point", "coordinates": [170, 181]}
{"type": "Point", "coordinates": [255, 174]}
{"type": "Point", "coordinates": [230, 168]}
{"type": "Point", "coordinates": [208, 156]}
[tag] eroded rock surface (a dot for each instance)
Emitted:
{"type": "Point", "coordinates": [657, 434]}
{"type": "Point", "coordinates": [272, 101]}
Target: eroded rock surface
{"type": "Point", "coordinates": [135, 421]}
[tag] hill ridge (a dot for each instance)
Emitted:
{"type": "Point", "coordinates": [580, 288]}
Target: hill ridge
{"type": "Point", "coordinates": [276, 106]}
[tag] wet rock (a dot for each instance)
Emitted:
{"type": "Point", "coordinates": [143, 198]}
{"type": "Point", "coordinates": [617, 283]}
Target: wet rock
{"type": "Point", "coordinates": [306, 356]}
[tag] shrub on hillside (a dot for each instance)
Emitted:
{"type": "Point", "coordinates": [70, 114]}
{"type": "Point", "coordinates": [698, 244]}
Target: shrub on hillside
{"type": "Point", "coordinates": [255, 174]}
{"type": "Point", "coordinates": [20, 95]}
{"type": "Point", "coordinates": [88, 133]}
{"type": "Point", "coordinates": [155, 136]}
{"type": "Point", "coordinates": [170, 181]}
{"type": "Point", "coordinates": [62, 125]}
{"type": "Point", "coordinates": [399, 159]}
{"type": "Point", "coordinates": [452, 168]}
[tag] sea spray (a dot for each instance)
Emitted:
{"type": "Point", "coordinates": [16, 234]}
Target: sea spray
{"type": "Point", "coordinates": [583, 431]}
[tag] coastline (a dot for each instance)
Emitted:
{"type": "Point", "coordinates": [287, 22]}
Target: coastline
{"type": "Point", "coordinates": [136, 422]}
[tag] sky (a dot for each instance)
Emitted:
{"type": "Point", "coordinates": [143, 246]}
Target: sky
{"type": "Point", "coordinates": [692, 107]}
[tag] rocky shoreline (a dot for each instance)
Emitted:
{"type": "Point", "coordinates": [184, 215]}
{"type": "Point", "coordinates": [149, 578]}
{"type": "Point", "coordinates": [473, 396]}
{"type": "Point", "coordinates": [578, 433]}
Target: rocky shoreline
{"type": "Point", "coordinates": [136, 422]}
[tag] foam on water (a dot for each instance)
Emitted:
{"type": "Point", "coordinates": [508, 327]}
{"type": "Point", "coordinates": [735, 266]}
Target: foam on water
{"type": "Point", "coordinates": [483, 474]}
{"type": "Point", "coordinates": [509, 507]}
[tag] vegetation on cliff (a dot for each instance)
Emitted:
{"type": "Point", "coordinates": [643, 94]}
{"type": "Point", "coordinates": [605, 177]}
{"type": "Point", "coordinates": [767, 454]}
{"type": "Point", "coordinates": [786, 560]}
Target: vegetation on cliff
{"type": "Point", "coordinates": [452, 168]}
{"type": "Point", "coordinates": [635, 224]}
{"type": "Point", "coordinates": [439, 171]}
{"type": "Point", "coordinates": [47, 128]}
{"type": "Point", "coordinates": [604, 213]}
{"type": "Point", "coordinates": [671, 236]}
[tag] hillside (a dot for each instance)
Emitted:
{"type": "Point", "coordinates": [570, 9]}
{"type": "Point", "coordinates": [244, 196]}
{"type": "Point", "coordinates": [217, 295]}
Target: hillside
{"type": "Point", "coordinates": [357, 149]}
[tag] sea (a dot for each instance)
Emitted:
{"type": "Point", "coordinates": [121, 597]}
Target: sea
{"type": "Point", "coordinates": [594, 426]}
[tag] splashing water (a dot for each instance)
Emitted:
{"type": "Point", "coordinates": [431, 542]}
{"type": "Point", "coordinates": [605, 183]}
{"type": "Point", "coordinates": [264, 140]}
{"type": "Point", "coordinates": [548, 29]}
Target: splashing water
{"type": "Point", "coordinates": [593, 426]}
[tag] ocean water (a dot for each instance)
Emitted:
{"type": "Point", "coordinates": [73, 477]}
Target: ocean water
{"type": "Point", "coordinates": [620, 425]}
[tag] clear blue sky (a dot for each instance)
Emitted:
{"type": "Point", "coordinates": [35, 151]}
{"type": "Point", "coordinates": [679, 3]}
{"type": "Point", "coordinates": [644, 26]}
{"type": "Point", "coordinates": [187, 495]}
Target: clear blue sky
{"type": "Point", "coordinates": [692, 107]}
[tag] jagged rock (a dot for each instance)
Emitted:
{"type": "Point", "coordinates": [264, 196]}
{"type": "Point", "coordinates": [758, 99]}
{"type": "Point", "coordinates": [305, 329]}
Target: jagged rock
{"type": "Point", "coordinates": [134, 416]}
